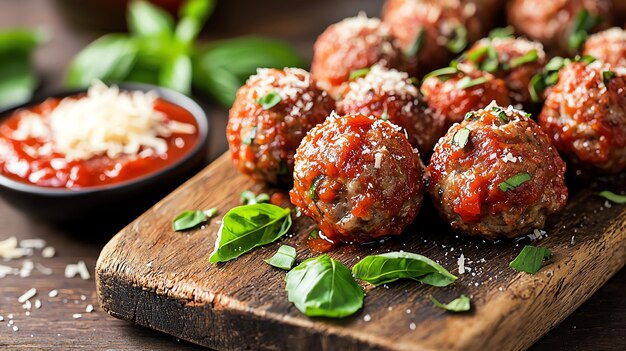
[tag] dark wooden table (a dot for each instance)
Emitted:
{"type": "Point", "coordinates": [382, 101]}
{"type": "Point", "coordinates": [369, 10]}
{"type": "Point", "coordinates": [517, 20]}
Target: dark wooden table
{"type": "Point", "coordinates": [599, 324]}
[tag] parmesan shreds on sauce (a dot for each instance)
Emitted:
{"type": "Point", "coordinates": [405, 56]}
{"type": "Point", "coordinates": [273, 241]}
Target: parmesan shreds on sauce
{"type": "Point", "coordinates": [106, 121]}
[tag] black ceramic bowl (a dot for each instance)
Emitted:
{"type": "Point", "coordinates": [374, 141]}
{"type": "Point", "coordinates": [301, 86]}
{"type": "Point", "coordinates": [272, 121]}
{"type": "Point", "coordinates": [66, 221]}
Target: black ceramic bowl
{"type": "Point", "coordinates": [109, 202]}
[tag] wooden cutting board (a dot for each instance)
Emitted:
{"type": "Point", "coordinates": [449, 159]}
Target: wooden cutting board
{"type": "Point", "coordinates": [161, 279]}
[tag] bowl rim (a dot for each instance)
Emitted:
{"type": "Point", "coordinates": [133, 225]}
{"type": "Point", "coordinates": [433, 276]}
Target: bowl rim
{"type": "Point", "coordinates": [166, 94]}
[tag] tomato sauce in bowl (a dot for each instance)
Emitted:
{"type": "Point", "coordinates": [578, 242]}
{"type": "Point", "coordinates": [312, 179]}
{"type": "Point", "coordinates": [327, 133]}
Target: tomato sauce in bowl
{"type": "Point", "coordinates": [20, 161]}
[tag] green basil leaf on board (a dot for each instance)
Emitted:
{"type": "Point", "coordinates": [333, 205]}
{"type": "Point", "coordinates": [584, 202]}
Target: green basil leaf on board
{"type": "Point", "coordinates": [18, 78]}
{"type": "Point", "coordinates": [530, 259]}
{"type": "Point", "coordinates": [284, 258]}
{"type": "Point", "coordinates": [188, 219]}
{"type": "Point", "coordinates": [460, 304]}
{"type": "Point", "coordinates": [146, 19]}
{"type": "Point", "coordinates": [109, 58]}
{"type": "Point", "coordinates": [323, 287]}
{"type": "Point", "coordinates": [246, 227]}
{"type": "Point", "coordinates": [211, 212]}
{"type": "Point", "coordinates": [391, 266]}
{"type": "Point", "coordinates": [611, 196]}
{"type": "Point", "coordinates": [176, 74]}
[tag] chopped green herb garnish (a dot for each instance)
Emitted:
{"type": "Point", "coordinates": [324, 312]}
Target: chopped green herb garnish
{"type": "Point", "coordinates": [188, 219]}
{"type": "Point", "coordinates": [475, 56]}
{"type": "Point", "coordinates": [556, 63]}
{"type": "Point", "coordinates": [211, 212]}
{"type": "Point", "coordinates": [284, 258]}
{"type": "Point", "coordinates": [585, 59]}
{"type": "Point", "coordinates": [314, 234]}
{"type": "Point", "coordinates": [536, 86]}
{"type": "Point", "coordinates": [270, 100]}
{"type": "Point", "coordinates": [248, 140]}
{"type": "Point", "coordinates": [491, 63]}
{"type": "Point", "coordinates": [530, 259]}
{"type": "Point", "coordinates": [551, 79]}
{"type": "Point", "coordinates": [460, 304]}
{"type": "Point", "coordinates": [358, 73]}
{"type": "Point", "coordinates": [611, 196]}
{"type": "Point", "coordinates": [458, 42]}
{"type": "Point", "coordinates": [514, 182]}
{"type": "Point", "coordinates": [385, 115]}
{"type": "Point", "coordinates": [499, 111]}
{"type": "Point", "coordinates": [607, 76]}
{"type": "Point", "coordinates": [583, 24]}
{"type": "Point", "coordinates": [418, 43]}
{"type": "Point", "coordinates": [442, 72]}
{"type": "Point", "coordinates": [461, 137]}
{"type": "Point", "coordinates": [530, 56]}
{"type": "Point", "coordinates": [501, 32]}
{"type": "Point", "coordinates": [470, 115]}
{"type": "Point", "coordinates": [313, 188]}
{"type": "Point", "coordinates": [467, 82]}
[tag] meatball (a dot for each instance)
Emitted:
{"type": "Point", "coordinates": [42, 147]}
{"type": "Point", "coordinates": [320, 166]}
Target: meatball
{"type": "Point", "coordinates": [452, 94]}
{"type": "Point", "coordinates": [560, 25]}
{"type": "Point", "coordinates": [585, 115]}
{"type": "Point", "coordinates": [272, 112]}
{"type": "Point", "coordinates": [496, 174]}
{"type": "Point", "coordinates": [391, 95]}
{"type": "Point", "coordinates": [352, 44]}
{"type": "Point", "coordinates": [608, 46]}
{"type": "Point", "coordinates": [358, 177]}
{"type": "Point", "coordinates": [515, 60]}
{"type": "Point", "coordinates": [431, 32]}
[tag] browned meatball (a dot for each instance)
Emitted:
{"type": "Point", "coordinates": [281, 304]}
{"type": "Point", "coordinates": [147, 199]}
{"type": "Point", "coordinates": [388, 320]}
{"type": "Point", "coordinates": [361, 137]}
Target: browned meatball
{"type": "Point", "coordinates": [451, 96]}
{"type": "Point", "coordinates": [608, 46]}
{"type": "Point", "coordinates": [350, 45]}
{"type": "Point", "coordinates": [391, 95]}
{"type": "Point", "coordinates": [555, 23]}
{"type": "Point", "coordinates": [496, 174]}
{"type": "Point", "coordinates": [585, 115]}
{"type": "Point", "coordinates": [515, 60]}
{"type": "Point", "coordinates": [358, 177]}
{"type": "Point", "coordinates": [272, 112]}
{"type": "Point", "coordinates": [432, 32]}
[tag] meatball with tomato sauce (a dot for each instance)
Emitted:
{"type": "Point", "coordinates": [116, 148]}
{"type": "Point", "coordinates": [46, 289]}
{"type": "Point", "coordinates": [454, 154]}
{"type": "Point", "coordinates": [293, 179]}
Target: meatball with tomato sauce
{"type": "Point", "coordinates": [358, 177]}
{"type": "Point", "coordinates": [272, 112]}
{"type": "Point", "coordinates": [608, 46]}
{"type": "Point", "coordinates": [451, 93]}
{"type": "Point", "coordinates": [585, 115]}
{"type": "Point", "coordinates": [391, 95]}
{"type": "Point", "coordinates": [432, 32]}
{"type": "Point", "coordinates": [496, 174]}
{"type": "Point", "coordinates": [515, 60]}
{"type": "Point", "coordinates": [560, 25]}
{"type": "Point", "coordinates": [350, 45]}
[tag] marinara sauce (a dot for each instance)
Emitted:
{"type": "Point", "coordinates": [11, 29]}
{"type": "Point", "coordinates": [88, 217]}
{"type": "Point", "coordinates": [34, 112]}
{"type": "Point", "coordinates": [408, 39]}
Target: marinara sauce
{"type": "Point", "coordinates": [20, 161]}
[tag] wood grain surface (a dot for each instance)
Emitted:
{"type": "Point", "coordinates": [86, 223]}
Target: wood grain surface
{"type": "Point", "coordinates": [161, 279]}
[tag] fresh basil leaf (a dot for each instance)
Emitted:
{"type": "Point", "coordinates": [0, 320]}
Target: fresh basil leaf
{"type": "Point", "coordinates": [211, 212]}
{"type": "Point", "coordinates": [607, 76]}
{"type": "Point", "coordinates": [458, 42]}
{"type": "Point", "coordinates": [529, 57]}
{"type": "Point", "coordinates": [359, 73]}
{"type": "Point", "coordinates": [188, 219]}
{"type": "Point", "coordinates": [501, 32]}
{"type": "Point", "coordinates": [460, 304]}
{"type": "Point", "coordinates": [461, 137]}
{"type": "Point", "coordinates": [193, 15]}
{"type": "Point", "coordinates": [284, 258]}
{"type": "Point", "coordinates": [221, 84]}
{"type": "Point", "coordinates": [17, 79]}
{"type": "Point", "coordinates": [611, 196]}
{"type": "Point", "coordinates": [514, 181]}
{"type": "Point", "coordinates": [468, 82]}
{"type": "Point", "coordinates": [323, 287]}
{"type": "Point", "coordinates": [145, 19]}
{"type": "Point", "coordinates": [176, 74]}
{"type": "Point", "coordinates": [417, 45]}
{"type": "Point", "coordinates": [246, 227]}
{"type": "Point", "coordinates": [391, 266]}
{"type": "Point", "coordinates": [109, 58]}
{"type": "Point", "coordinates": [268, 101]}
{"type": "Point", "coordinates": [20, 40]}
{"type": "Point", "coordinates": [530, 259]}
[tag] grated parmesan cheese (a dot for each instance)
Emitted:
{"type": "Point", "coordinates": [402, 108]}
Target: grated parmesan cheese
{"type": "Point", "coordinates": [106, 121]}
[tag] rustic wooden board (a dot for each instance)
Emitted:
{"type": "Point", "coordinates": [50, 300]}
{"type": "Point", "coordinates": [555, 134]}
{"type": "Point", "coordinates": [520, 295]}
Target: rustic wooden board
{"type": "Point", "coordinates": [161, 279]}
